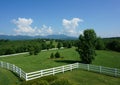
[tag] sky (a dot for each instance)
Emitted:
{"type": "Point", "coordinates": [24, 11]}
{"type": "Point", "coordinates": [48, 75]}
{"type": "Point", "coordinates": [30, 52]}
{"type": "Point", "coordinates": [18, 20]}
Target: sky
{"type": "Point", "coordinates": [69, 17]}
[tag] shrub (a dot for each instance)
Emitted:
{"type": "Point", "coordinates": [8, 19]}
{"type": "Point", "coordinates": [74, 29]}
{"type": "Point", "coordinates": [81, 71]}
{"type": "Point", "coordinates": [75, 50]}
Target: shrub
{"type": "Point", "coordinates": [52, 56]}
{"type": "Point", "coordinates": [57, 55]}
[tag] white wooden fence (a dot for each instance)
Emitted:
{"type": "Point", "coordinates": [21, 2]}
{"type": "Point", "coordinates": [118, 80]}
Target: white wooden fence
{"type": "Point", "coordinates": [37, 74]}
{"type": "Point", "coordinates": [101, 69]}
{"type": "Point", "coordinates": [14, 69]}
{"type": "Point", "coordinates": [52, 71]}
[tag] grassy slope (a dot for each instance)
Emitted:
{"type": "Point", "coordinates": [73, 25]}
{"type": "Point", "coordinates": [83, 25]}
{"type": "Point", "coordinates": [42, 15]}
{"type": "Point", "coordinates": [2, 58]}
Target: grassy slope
{"type": "Point", "coordinates": [107, 58]}
{"type": "Point", "coordinates": [80, 77]}
{"type": "Point", "coordinates": [5, 80]}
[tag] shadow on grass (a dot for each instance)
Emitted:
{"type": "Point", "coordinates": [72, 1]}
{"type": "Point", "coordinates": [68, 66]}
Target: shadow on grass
{"type": "Point", "coordinates": [17, 76]}
{"type": "Point", "coordinates": [68, 61]}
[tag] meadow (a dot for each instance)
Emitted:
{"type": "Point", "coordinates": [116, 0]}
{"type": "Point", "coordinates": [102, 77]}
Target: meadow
{"type": "Point", "coordinates": [31, 63]}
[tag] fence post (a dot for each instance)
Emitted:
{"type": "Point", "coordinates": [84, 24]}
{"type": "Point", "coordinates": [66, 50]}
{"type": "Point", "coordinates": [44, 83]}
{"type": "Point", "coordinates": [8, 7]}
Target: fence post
{"type": "Point", "coordinates": [20, 72]}
{"type": "Point", "coordinates": [26, 77]}
{"type": "Point", "coordinates": [100, 69]}
{"type": "Point", "coordinates": [53, 71]}
{"type": "Point", "coordinates": [13, 67]}
{"type": "Point", "coordinates": [88, 67]}
{"type": "Point", "coordinates": [115, 72]}
{"type": "Point", "coordinates": [41, 73]}
{"type": "Point", "coordinates": [71, 67]}
{"type": "Point", "coordinates": [77, 65]}
{"type": "Point", "coordinates": [8, 66]}
{"type": "Point", "coordinates": [1, 64]}
{"type": "Point", "coordinates": [63, 69]}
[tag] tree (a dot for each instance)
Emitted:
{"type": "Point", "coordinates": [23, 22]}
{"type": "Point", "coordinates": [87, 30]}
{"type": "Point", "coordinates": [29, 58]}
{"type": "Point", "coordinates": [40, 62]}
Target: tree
{"type": "Point", "coordinates": [69, 45]}
{"type": "Point", "coordinates": [31, 50]}
{"type": "Point", "coordinates": [59, 45]}
{"type": "Point", "coordinates": [57, 55]}
{"type": "Point", "coordinates": [114, 45]}
{"type": "Point", "coordinates": [86, 46]}
{"type": "Point", "coordinates": [44, 46]}
{"type": "Point", "coordinates": [34, 49]}
{"type": "Point", "coordinates": [37, 49]}
{"type": "Point", "coordinates": [52, 56]}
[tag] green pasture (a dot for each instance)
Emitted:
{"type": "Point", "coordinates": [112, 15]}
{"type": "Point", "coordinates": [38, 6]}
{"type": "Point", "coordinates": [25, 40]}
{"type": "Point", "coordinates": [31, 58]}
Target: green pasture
{"type": "Point", "coordinates": [81, 77]}
{"type": "Point", "coordinates": [42, 61]}
{"type": "Point", "coordinates": [8, 78]}
{"type": "Point", "coordinates": [78, 77]}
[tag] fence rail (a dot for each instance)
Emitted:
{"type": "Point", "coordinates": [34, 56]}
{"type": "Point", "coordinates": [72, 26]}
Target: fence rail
{"type": "Point", "coordinates": [13, 68]}
{"type": "Point", "coordinates": [52, 71]}
{"type": "Point", "coordinates": [37, 74]}
{"type": "Point", "coordinates": [101, 69]}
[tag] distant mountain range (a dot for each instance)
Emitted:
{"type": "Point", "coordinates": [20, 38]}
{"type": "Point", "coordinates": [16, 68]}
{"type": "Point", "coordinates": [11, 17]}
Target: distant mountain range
{"type": "Point", "coordinates": [22, 37]}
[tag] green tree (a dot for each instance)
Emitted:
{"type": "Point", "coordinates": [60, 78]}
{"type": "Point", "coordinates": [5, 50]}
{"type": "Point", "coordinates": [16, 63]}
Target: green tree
{"type": "Point", "coordinates": [52, 56]}
{"type": "Point", "coordinates": [69, 45]}
{"type": "Point", "coordinates": [114, 45]}
{"type": "Point", "coordinates": [31, 50]}
{"type": "Point", "coordinates": [34, 49]}
{"type": "Point", "coordinates": [86, 46]}
{"type": "Point", "coordinates": [57, 55]}
{"type": "Point", "coordinates": [37, 49]}
{"type": "Point", "coordinates": [59, 45]}
{"type": "Point", "coordinates": [44, 46]}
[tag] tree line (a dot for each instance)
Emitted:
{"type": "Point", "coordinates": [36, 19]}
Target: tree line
{"type": "Point", "coordinates": [32, 46]}
{"type": "Point", "coordinates": [36, 45]}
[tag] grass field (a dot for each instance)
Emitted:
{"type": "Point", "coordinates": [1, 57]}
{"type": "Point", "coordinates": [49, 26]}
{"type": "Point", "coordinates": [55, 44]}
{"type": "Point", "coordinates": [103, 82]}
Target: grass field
{"type": "Point", "coordinates": [80, 77]}
{"type": "Point", "coordinates": [107, 58]}
{"type": "Point", "coordinates": [8, 78]}
{"type": "Point", "coordinates": [42, 61]}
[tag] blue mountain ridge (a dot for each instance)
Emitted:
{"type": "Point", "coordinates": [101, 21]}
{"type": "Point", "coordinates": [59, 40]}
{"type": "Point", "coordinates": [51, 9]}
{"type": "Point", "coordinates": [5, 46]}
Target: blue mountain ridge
{"type": "Point", "coordinates": [24, 37]}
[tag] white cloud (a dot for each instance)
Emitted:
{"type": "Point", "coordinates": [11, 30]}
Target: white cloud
{"type": "Point", "coordinates": [70, 26]}
{"type": "Point", "coordinates": [23, 25]}
{"type": "Point", "coordinates": [45, 30]}
{"type": "Point", "coordinates": [24, 28]}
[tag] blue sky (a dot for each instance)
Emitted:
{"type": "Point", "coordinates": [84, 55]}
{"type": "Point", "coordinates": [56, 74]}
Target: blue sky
{"type": "Point", "coordinates": [70, 17]}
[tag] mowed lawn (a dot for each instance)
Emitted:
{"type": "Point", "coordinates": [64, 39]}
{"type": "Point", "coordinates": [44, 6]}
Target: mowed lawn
{"type": "Point", "coordinates": [107, 58]}
{"type": "Point", "coordinates": [42, 61]}
{"type": "Point", "coordinates": [77, 77]}
{"type": "Point", "coordinates": [81, 77]}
